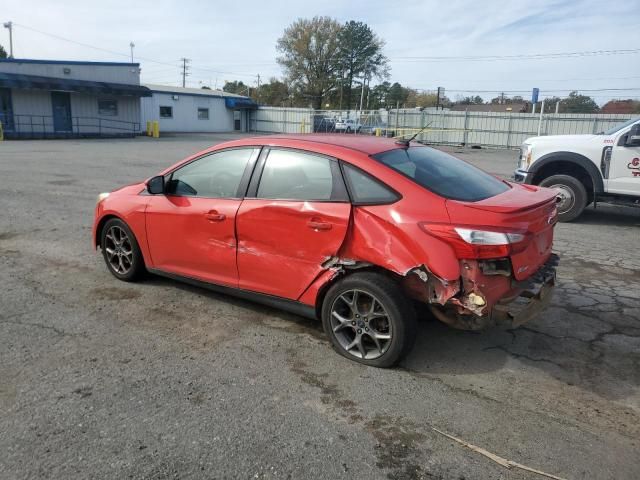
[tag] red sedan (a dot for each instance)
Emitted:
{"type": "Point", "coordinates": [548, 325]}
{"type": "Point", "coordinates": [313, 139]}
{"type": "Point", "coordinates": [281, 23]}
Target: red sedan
{"type": "Point", "coordinates": [352, 230]}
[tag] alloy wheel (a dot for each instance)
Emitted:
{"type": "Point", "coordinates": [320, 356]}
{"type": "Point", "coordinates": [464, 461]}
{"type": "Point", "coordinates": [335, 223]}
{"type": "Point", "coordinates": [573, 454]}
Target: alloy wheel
{"type": "Point", "coordinates": [361, 324]}
{"type": "Point", "coordinates": [119, 250]}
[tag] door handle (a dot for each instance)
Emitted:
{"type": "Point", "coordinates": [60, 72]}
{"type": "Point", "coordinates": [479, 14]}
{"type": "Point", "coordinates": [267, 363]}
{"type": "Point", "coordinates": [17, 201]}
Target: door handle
{"type": "Point", "coordinates": [214, 216]}
{"type": "Point", "coordinates": [317, 224]}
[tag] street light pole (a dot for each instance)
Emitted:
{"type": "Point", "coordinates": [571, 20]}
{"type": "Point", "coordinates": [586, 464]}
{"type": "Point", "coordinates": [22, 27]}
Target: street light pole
{"type": "Point", "coordinates": [9, 25]}
{"type": "Point", "coordinates": [132, 45]}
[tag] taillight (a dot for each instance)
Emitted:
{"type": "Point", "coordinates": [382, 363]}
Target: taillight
{"type": "Point", "coordinates": [476, 242]}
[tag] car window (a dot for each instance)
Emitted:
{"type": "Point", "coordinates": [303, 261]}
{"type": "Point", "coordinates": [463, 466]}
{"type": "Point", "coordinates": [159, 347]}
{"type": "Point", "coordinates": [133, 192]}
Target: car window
{"type": "Point", "coordinates": [443, 174]}
{"type": "Point", "coordinates": [366, 189]}
{"type": "Point", "coordinates": [294, 175]}
{"type": "Point", "coordinates": [217, 175]}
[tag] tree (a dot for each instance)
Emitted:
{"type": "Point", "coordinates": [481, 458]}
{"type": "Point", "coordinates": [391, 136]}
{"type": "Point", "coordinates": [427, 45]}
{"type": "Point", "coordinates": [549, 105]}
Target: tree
{"type": "Point", "coordinates": [477, 100]}
{"type": "Point", "coordinates": [621, 106]}
{"type": "Point", "coordinates": [237, 86]}
{"type": "Point", "coordinates": [275, 93]}
{"type": "Point", "coordinates": [360, 56]}
{"type": "Point", "coordinates": [309, 54]}
{"type": "Point", "coordinates": [3, 52]}
{"type": "Point", "coordinates": [576, 103]}
{"type": "Point", "coordinates": [397, 96]}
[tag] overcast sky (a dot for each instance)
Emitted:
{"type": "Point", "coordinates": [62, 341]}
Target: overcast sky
{"type": "Point", "coordinates": [236, 39]}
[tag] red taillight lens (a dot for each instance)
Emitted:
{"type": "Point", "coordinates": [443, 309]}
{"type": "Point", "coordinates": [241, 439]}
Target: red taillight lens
{"type": "Point", "coordinates": [477, 242]}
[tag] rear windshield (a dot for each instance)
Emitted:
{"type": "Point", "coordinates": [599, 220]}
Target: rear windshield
{"type": "Point", "coordinates": [443, 174]}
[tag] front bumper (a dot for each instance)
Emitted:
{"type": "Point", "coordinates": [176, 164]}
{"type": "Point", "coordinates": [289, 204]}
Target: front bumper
{"type": "Point", "coordinates": [522, 176]}
{"type": "Point", "coordinates": [535, 295]}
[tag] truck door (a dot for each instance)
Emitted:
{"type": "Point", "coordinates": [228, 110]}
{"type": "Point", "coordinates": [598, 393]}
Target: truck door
{"type": "Point", "coordinates": [624, 167]}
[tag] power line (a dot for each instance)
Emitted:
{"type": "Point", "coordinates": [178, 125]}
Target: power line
{"type": "Point", "coordinates": [113, 52]}
{"type": "Point", "coordinates": [531, 56]}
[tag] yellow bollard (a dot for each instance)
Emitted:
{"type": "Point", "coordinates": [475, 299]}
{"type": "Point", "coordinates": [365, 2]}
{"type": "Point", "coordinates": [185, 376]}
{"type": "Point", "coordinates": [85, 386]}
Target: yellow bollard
{"type": "Point", "coordinates": [303, 126]}
{"type": "Point", "coordinates": [156, 129]}
{"type": "Point", "coordinates": [1, 132]}
{"type": "Point", "coordinates": [378, 132]}
{"type": "Point", "coordinates": [149, 128]}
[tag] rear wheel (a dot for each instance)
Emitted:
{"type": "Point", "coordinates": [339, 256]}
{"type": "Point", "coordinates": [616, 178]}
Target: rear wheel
{"type": "Point", "coordinates": [369, 320]}
{"type": "Point", "coordinates": [572, 195]}
{"type": "Point", "coordinates": [121, 251]}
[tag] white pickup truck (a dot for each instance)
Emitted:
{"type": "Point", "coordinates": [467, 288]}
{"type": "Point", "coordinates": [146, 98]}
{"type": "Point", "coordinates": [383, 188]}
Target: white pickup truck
{"type": "Point", "coordinates": [585, 169]}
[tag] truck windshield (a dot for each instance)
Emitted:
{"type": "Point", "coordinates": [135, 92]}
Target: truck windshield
{"type": "Point", "coordinates": [442, 173]}
{"type": "Point", "coordinates": [620, 127]}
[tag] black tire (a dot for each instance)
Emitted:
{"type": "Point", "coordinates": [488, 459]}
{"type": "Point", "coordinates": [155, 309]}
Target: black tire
{"type": "Point", "coordinates": [400, 317]}
{"type": "Point", "coordinates": [573, 193]}
{"type": "Point", "coordinates": [136, 267]}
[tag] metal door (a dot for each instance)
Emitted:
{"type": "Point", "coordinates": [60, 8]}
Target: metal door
{"type": "Point", "coordinates": [61, 103]}
{"type": "Point", "coordinates": [6, 109]}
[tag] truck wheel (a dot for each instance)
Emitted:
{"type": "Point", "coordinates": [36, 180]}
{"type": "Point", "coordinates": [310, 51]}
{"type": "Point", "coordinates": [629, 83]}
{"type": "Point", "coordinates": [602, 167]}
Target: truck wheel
{"type": "Point", "coordinates": [572, 195]}
{"type": "Point", "coordinates": [368, 319]}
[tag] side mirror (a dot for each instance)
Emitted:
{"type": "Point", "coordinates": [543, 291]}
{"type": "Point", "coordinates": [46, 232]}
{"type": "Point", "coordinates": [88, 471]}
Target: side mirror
{"type": "Point", "coordinates": [633, 137]}
{"type": "Point", "coordinates": [155, 186]}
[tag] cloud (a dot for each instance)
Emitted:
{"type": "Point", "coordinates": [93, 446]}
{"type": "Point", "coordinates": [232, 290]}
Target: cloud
{"type": "Point", "coordinates": [236, 40]}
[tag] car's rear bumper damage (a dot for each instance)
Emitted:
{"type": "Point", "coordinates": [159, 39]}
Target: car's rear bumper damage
{"type": "Point", "coordinates": [486, 294]}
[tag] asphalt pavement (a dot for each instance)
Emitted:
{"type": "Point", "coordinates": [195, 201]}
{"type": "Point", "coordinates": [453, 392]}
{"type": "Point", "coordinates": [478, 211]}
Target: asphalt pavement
{"type": "Point", "coordinates": [155, 380]}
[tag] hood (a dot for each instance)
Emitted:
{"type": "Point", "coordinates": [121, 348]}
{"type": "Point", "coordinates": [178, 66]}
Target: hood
{"type": "Point", "coordinates": [564, 139]}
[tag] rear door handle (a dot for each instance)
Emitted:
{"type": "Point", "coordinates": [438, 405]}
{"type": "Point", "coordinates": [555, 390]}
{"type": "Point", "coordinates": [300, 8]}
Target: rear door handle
{"type": "Point", "coordinates": [317, 224]}
{"type": "Point", "coordinates": [214, 216]}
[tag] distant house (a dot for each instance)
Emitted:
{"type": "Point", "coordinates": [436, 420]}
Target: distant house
{"type": "Point", "coordinates": [180, 109]}
{"type": "Point", "coordinates": [64, 98]}
{"type": "Point", "coordinates": [493, 107]}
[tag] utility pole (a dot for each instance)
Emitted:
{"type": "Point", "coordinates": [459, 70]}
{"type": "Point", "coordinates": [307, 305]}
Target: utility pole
{"type": "Point", "coordinates": [185, 67]}
{"type": "Point", "coordinates": [9, 25]}
{"type": "Point", "coordinates": [258, 90]}
{"type": "Point", "coordinates": [502, 98]}
{"type": "Point", "coordinates": [131, 45]}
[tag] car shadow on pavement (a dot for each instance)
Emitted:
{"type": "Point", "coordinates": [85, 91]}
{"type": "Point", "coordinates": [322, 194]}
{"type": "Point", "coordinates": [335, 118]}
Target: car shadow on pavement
{"type": "Point", "coordinates": [597, 351]}
{"type": "Point", "coordinates": [617, 216]}
{"type": "Point", "coordinates": [573, 346]}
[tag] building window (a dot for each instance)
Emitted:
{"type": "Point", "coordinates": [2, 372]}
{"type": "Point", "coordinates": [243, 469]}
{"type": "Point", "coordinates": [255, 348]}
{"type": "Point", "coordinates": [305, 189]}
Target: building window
{"type": "Point", "coordinates": [108, 107]}
{"type": "Point", "coordinates": [203, 114]}
{"type": "Point", "coordinates": [166, 112]}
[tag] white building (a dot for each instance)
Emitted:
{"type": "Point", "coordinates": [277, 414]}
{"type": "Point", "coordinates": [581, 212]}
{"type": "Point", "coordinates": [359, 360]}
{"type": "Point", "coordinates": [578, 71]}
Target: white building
{"type": "Point", "coordinates": [180, 109]}
{"type": "Point", "coordinates": [63, 98]}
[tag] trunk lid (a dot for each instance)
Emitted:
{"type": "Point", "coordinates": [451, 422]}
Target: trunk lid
{"type": "Point", "coordinates": [523, 208]}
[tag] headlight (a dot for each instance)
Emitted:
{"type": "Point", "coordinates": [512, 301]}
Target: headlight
{"type": "Point", "coordinates": [525, 156]}
{"type": "Point", "coordinates": [101, 197]}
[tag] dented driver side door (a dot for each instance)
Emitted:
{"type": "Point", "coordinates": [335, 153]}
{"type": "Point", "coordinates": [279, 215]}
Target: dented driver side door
{"type": "Point", "coordinates": [294, 217]}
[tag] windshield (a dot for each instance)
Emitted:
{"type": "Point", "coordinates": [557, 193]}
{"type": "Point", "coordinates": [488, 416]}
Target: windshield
{"type": "Point", "coordinates": [443, 174]}
{"type": "Point", "coordinates": [620, 127]}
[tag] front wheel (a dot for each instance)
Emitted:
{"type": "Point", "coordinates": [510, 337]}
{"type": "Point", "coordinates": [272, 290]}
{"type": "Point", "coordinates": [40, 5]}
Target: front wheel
{"type": "Point", "coordinates": [121, 251]}
{"type": "Point", "coordinates": [368, 319]}
{"type": "Point", "coordinates": [572, 195]}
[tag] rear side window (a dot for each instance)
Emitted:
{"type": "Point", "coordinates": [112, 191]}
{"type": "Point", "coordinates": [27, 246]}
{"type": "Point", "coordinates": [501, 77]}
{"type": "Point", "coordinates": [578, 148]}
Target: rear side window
{"type": "Point", "coordinates": [295, 175]}
{"type": "Point", "coordinates": [443, 174]}
{"type": "Point", "coordinates": [366, 189]}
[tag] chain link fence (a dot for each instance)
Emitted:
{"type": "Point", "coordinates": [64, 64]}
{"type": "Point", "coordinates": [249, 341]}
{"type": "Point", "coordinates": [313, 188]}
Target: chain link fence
{"type": "Point", "coordinates": [443, 127]}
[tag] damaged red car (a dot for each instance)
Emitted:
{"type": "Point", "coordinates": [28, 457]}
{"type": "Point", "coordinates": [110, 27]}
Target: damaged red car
{"type": "Point", "coordinates": [351, 230]}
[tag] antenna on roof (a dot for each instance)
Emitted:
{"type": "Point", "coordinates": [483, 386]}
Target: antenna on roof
{"type": "Point", "coordinates": [404, 142]}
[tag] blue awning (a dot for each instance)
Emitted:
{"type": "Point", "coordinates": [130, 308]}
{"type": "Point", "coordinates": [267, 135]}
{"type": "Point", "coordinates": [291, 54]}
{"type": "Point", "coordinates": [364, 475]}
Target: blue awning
{"type": "Point", "coordinates": [239, 102]}
{"type": "Point", "coordinates": [34, 82]}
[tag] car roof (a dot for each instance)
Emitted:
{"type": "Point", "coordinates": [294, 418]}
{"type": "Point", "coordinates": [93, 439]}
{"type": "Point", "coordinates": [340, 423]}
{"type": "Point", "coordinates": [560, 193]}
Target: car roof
{"type": "Point", "coordinates": [362, 143]}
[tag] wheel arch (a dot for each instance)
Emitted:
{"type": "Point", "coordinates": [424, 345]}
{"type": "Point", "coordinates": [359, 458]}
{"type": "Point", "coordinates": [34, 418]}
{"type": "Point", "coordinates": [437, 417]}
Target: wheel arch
{"type": "Point", "coordinates": [347, 272]}
{"type": "Point", "coordinates": [103, 221]}
{"type": "Point", "coordinates": [568, 163]}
